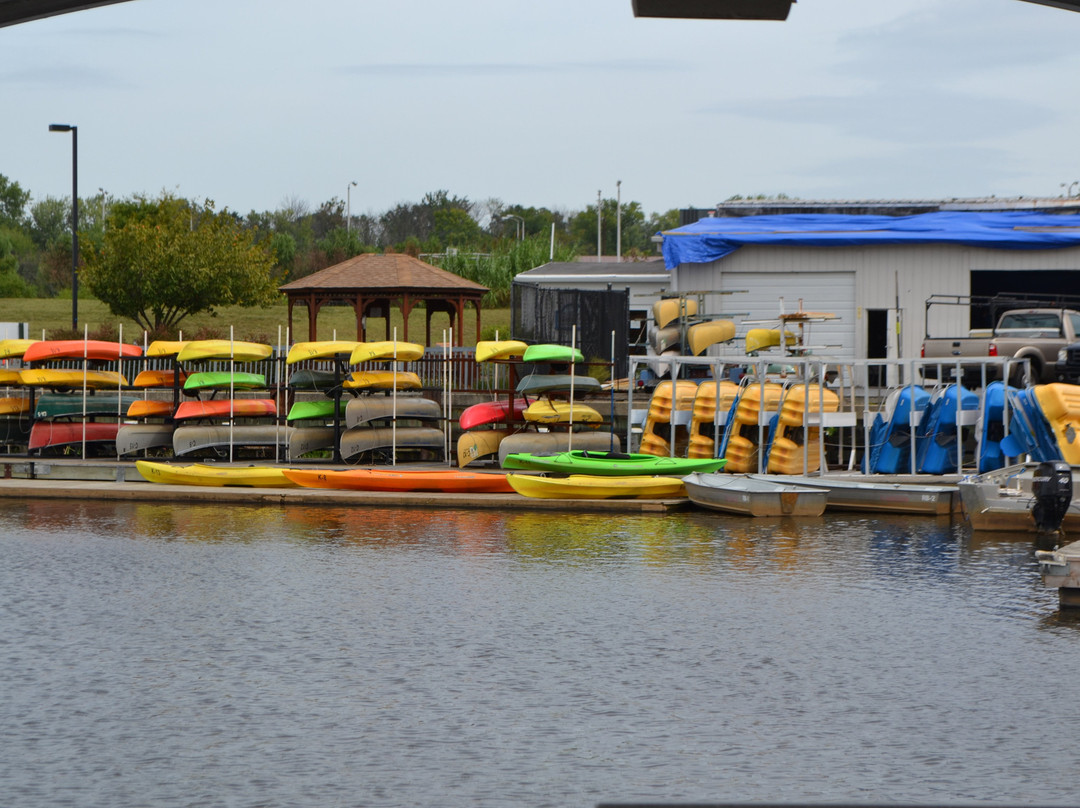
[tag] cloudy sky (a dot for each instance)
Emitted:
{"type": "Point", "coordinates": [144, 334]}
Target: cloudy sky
{"type": "Point", "coordinates": [259, 103]}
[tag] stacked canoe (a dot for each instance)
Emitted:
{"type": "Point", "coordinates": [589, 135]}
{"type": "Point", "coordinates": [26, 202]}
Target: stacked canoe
{"type": "Point", "coordinates": [15, 403]}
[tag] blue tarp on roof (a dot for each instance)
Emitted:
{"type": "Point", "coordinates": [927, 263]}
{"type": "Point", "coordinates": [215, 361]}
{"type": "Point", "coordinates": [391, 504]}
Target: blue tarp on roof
{"type": "Point", "coordinates": [712, 238]}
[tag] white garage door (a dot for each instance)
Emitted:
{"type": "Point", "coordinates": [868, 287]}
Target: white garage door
{"type": "Point", "coordinates": [832, 292]}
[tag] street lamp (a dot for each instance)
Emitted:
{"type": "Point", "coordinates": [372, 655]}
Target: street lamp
{"type": "Point", "coordinates": [66, 127]}
{"type": "Point", "coordinates": [520, 233]}
{"type": "Point", "coordinates": [348, 206]}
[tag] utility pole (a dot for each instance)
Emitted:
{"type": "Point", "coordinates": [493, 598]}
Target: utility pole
{"type": "Point", "coordinates": [618, 220]}
{"type": "Point", "coordinates": [599, 216]}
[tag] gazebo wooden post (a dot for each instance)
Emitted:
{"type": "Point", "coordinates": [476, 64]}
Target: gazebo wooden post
{"type": "Point", "coordinates": [406, 310]}
{"type": "Point", "coordinates": [358, 310]}
{"type": "Point", "coordinates": [313, 318]}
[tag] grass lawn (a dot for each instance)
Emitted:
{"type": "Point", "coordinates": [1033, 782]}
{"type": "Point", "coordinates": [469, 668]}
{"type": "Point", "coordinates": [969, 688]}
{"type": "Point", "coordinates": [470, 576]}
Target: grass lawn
{"type": "Point", "coordinates": [253, 324]}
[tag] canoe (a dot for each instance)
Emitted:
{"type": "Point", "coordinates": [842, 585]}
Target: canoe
{"type": "Point", "coordinates": [201, 349]}
{"type": "Point", "coordinates": [14, 348]}
{"type": "Point", "coordinates": [749, 496]}
{"type": "Point", "coordinates": [1002, 500]}
{"type": "Point", "coordinates": [310, 379]}
{"type": "Point", "coordinates": [539, 383]}
{"type": "Point", "coordinates": [217, 437]}
{"type": "Point", "coordinates": [223, 380]}
{"type": "Point", "coordinates": [488, 350]}
{"type": "Point", "coordinates": [165, 347]}
{"type": "Point", "coordinates": [99, 350]}
{"type": "Point", "coordinates": [320, 410]}
{"type": "Point", "coordinates": [225, 408]}
{"type": "Point", "coordinates": [55, 434]}
{"type": "Point", "coordinates": [611, 464]}
{"type": "Point", "coordinates": [442, 480]}
{"type": "Point", "coordinates": [150, 408]}
{"type": "Point", "coordinates": [546, 411]}
{"type": "Point", "coordinates": [362, 439]}
{"type": "Point", "coordinates": [305, 439]}
{"type": "Point", "coordinates": [387, 350]}
{"type": "Point", "coordinates": [671, 308]}
{"type": "Point", "coordinates": [51, 406]}
{"type": "Point", "coordinates": [199, 474]}
{"type": "Point", "coordinates": [559, 354]}
{"type": "Point", "coordinates": [378, 408]}
{"type": "Point", "coordinates": [382, 380]}
{"type": "Point", "coordinates": [324, 349]}
{"type": "Point", "coordinates": [701, 336]}
{"type": "Point", "coordinates": [554, 442]}
{"type": "Point", "coordinates": [13, 405]}
{"type": "Point", "coordinates": [132, 438]}
{"type": "Point", "coordinates": [492, 412]}
{"type": "Point", "coordinates": [71, 379]}
{"type": "Point", "coordinates": [478, 444]}
{"type": "Point", "coordinates": [159, 378]}
{"type": "Point", "coordinates": [666, 339]}
{"type": "Point", "coordinates": [585, 486]}
{"type": "Point", "coordinates": [880, 497]}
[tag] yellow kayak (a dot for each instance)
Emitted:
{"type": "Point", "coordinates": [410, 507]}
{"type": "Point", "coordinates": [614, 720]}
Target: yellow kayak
{"type": "Point", "coordinates": [382, 380]}
{"type": "Point", "coordinates": [163, 347]}
{"type": "Point", "coordinates": [56, 377]}
{"type": "Point", "coordinates": [324, 349]}
{"type": "Point", "coordinates": [546, 411]}
{"type": "Point", "coordinates": [200, 474]}
{"type": "Point", "coordinates": [14, 406]}
{"type": "Point", "coordinates": [486, 350]}
{"type": "Point", "coordinates": [14, 348]}
{"type": "Point", "coordinates": [223, 349]}
{"type": "Point", "coordinates": [387, 350]}
{"type": "Point", "coordinates": [587, 486]}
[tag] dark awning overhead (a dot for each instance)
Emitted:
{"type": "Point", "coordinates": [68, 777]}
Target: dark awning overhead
{"type": "Point", "coordinates": [714, 9]}
{"type": "Point", "coordinates": [16, 11]}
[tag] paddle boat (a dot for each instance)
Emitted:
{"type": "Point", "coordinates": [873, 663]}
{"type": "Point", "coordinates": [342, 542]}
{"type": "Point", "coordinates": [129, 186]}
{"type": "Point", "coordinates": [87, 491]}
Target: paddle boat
{"type": "Point", "coordinates": [753, 496]}
{"type": "Point", "coordinates": [611, 464]}
{"type": "Point", "coordinates": [439, 480]}
{"type": "Point", "coordinates": [890, 431]}
{"type": "Point", "coordinates": [585, 486]}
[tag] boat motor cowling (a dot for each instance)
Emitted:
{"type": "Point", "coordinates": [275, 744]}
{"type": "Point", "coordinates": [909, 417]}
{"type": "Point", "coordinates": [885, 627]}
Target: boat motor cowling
{"type": "Point", "coordinates": [1053, 490]}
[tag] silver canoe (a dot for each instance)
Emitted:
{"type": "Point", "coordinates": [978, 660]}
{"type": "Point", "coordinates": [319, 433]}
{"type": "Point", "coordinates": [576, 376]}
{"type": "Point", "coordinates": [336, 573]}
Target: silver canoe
{"type": "Point", "coordinates": [747, 496]}
{"type": "Point", "coordinates": [379, 408]}
{"type": "Point", "coordinates": [878, 496]}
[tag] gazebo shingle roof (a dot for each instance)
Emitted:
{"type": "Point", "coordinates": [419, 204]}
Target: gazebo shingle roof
{"type": "Point", "coordinates": [372, 272]}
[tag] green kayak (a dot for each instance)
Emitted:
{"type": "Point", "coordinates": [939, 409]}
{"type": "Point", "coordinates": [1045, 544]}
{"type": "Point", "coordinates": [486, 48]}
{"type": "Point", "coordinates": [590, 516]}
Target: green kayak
{"type": "Point", "coordinates": [611, 464]}
{"type": "Point", "coordinates": [222, 380]}
{"type": "Point", "coordinates": [318, 410]}
{"type": "Point", "coordinates": [309, 379]}
{"type": "Point", "coordinates": [538, 383]}
{"type": "Point", "coordinates": [552, 353]}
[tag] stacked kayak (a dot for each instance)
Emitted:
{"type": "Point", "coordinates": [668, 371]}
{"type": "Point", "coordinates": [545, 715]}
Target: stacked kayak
{"type": "Point", "coordinates": [612, 464]}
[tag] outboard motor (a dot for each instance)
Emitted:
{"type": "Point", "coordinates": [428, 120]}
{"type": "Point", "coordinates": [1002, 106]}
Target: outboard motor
{"type": "Point", "coordinates": [1052, 487]}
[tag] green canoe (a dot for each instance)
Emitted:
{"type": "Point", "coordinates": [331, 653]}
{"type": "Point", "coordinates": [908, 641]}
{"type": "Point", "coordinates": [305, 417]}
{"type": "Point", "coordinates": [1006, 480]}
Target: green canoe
{"type": "Point", "coordinates": [310, 379]}
{"type": "Point", "coordinates": [552, 353]}
{"type": "Point", "coordinates": [611, 464]}
{"type": "Point", "coordinates": [54, 406]}
{"type": "Point", "coordinates": [320, 410]}
{"type": "Point", "coordinates": [538, 383]}
{"type": "Point", "coordinates": [222, 380]}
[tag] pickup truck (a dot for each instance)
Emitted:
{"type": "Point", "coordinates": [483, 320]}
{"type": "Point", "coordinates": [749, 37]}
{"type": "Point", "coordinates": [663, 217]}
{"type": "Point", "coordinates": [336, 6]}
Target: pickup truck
{"type": "Point", "coordinates": [1035, 334]}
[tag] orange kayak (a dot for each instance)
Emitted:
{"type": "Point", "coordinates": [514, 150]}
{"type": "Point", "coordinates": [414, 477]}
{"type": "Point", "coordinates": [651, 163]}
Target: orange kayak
{"type": "Point", "coordinates": [48, 349]}
{"type": "Point", "coordinates": [445, 480]}
{"type": "Point", "coordinates": [149, 408]}
{"type": "Point", "coordinates": [224, 408]}
{"type": "Point", "coordinates": [158, 378]}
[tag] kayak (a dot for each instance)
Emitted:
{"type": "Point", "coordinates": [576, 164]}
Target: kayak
{"type": "Point", "coordinates": [225, 408]}
{"type": "Point", "coordinates": [223, 380]}
{"type": "Point", "coordinates": [14, 406]}
{"type": "Point", "coordinates": [325, 349]}
{"type": "Point", "coordinates": [201, 474]}
{"type": "Point", "coordinates": [442, 480]}
{"type": "Point", "coordinates": [546, 411]}
{"type": "Point", "coordinates": [223, 349]}
{"type": "Point", "coordinates": [365, 409]}
{"type": "Point", "coordinates": [387, 350]}
{"type": "Point", "coordinates": [318, 410]}
{"type": "Point", "coordinates": [585, 486]}
{"type": "Point", "coordinates": [310, 379]}
{"type": "Point", "coordinates": [150, 408]}
{"type": "Point", "coordinates": [539, 383]}
{"type": "Point", "coordinates": [14, 348]}
{"type": "Point", "coordinates": [552, 353]}
{"type": "Point", "coordinates": [158, 378]}
{"type": "Point", "coordinates": [487, 350]}
{"type": "Point", "coordinates": [492, 412]}
{"type": "Point", "coordinates": [611, 464]}
{"type": "Point", "coordinates": [99, 350]}
{"type": "Point", "coordinates": [382, 380]}
{"type": "Point", "coordinates": [165, 347]}
{"type": "Point", "coordinates": [71, 379]}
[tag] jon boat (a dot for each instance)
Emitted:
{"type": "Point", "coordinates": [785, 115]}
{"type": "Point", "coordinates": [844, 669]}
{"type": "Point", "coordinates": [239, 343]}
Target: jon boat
{"type": "Point", "coordinates": [225, 408]}
{"type": "Point", "coordinates": [366, 409]}
{"type": "Point", "coordinates": [1002, 499]}
{"type": "Point", "coordinates": [325, 349]}
{"type": "Point", "coordinates": [317, 410]}
{"type": "Point", "coordinates": [382, 380]}
{"type": "Point", "coordinates": [159, 378]}
{"type": "Point", "coordinates": [199, 474]}
{"type": "Point", "coordinates": [71, 379]}
{"type": "Point", "coordinates": [554, 442]}
{"type": "Point", "coordinates": [492, 412]}
{"type": "Point", "coordinates": [586, 486]}
{"type": "Point", "coordinates": [223, 380]}
{"type": "Point", "coordinates": [749, 496]}
{"type": "Point", "coordinates": [443, 480]}
{"type": "Point", "coordinates": [559, 354]}
{"type": "Point", "coordinates": [547, 411]}
{"type": "Point", "coordinates": [99, 350]}
{"type": "Point", "coordinates": [538, 383]}
{"type": "Point", "coordinates": [611, 464]}
{"type": "Point", "coordinates": [487, 350]}
{"type": "Point", "coordinates": [132, 438]}
{"type": "Point", "coordinates": [52, 406]}
{"type": "Point", "coordinates": [386, 350]}
{"type": "Point", "coordinates": [55, 434]}
{"type": "Point", "coordinates": [878, 497]}
{"type": "Point", "coordinates": [150, 408]}
{"type": "Point", "coordinates": [218, 438]}
{"type": "Point", "coordinates": [362, 439]}
{"type": "Point", "coordinates": [479, 444]}
{"type": "Point", "coordinates": [201, 349]}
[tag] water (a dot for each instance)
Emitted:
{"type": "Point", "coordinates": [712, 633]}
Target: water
{"type": "Point", "coordinates": [154, 655]}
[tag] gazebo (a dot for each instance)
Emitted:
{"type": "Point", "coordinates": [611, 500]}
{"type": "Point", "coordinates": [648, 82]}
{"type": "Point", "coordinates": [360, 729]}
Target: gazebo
{"type": "Point", "coordinates": [372, 283]}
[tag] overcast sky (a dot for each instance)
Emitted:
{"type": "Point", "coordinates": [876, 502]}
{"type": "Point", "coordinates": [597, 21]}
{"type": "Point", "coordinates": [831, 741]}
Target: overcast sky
{"type": "Point", "coordinates": [255, 103]}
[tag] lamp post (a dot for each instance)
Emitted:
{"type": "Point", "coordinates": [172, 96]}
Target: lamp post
{"type": "Point", "coordinates": [348, 206]}
{"type": "Point", "coordinates": [520, 233]}
{"type": "Point", "coordinates": [618, 220]}
{"type": "Point", "coordinates": [66, 127]}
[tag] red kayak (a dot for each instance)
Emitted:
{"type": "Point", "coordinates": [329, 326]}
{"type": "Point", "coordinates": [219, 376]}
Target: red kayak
{"type": "Point", "coordinates": [223, 407]}
{"type": "Point", "coordinates": [99, 350]}
{"type": "Point", "coordinates": [444, 480]}
{"type": "Point", "coordinates": [46, 434]}
{"type": "Point", "coordinates": [491, 412]}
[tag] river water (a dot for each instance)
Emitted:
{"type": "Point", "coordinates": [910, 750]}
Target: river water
{"type": "Point", "coordinates": [156, 655]}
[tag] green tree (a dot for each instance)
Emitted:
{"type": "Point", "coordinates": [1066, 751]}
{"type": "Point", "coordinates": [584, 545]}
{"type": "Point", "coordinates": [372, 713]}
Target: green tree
{"type": "Point", "coordinates": [13, 201]}
{"type": "Point", "coordinates": [583, 228]}
{"type": "Point", "coordinates": [11, 282]}
{"type": "Point", "coordinates": [165, 259]}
